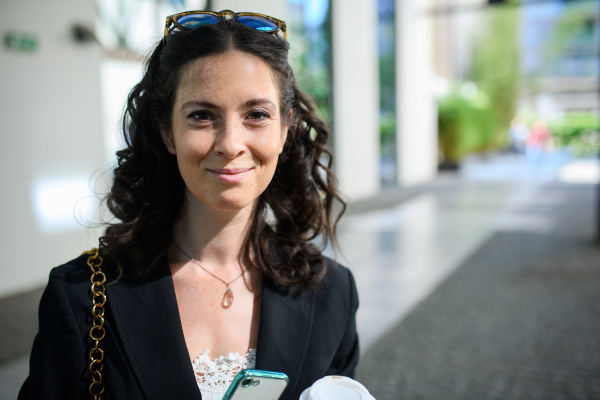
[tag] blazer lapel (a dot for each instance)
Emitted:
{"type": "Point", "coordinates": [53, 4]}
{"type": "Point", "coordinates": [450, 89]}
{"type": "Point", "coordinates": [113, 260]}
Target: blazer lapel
{"type": "Point", "coordinates": [285, 326]}
{"type": "Point", "coordinates": [147, 319]}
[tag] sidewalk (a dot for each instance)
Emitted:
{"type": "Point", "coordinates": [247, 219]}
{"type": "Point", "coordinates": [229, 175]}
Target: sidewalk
{"type": "Point", "coordinates": [519, 319]}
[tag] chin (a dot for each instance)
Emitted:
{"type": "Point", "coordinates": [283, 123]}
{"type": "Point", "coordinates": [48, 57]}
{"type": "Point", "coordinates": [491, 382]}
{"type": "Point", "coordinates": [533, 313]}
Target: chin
{"type": "Point", "coordinates": [229, 204]}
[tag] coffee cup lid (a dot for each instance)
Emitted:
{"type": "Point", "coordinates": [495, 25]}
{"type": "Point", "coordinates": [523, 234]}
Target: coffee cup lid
{"type": "Point", "coordinates": [337, 388]}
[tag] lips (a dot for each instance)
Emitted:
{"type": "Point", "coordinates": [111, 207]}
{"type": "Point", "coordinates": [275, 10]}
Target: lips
{"type": "Point", "coordinates": [230, 175]}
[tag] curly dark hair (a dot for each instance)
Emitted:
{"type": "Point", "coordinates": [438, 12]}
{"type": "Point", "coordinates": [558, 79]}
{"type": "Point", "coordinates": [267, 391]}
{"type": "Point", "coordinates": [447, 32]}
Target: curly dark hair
{"type": "Point", "coordinates": [148, 191]}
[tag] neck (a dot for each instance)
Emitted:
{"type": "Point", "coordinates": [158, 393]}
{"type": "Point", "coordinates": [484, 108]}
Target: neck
{"type": "Point", "coordinates": [214, 238]}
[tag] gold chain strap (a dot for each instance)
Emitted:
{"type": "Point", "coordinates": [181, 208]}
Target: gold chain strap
{"type": "Point", "coordinates": [97, 332]}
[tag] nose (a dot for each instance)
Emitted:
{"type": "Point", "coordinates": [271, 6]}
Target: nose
{"type": "Point", "coordinates": [229, 140]}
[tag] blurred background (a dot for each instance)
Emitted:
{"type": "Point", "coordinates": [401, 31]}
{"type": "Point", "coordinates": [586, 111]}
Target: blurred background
{"type": "Point", "coordinates": [466, 136]}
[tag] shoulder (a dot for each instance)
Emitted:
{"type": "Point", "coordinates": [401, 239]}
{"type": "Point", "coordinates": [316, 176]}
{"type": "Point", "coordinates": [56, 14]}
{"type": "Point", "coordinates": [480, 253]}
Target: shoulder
{"type": "Point", "coordinates": [73, 271]}
{"type": "Point", "coordinates": [70, 282]}
{"type": "Point", "coordinates": [77, 271]}
{"type": "Point", "coordinates": [338, 276]}
{"type": "Point", "coordinates": [337, 291]}
{"type": "Point", "coordinates": [68, 286]}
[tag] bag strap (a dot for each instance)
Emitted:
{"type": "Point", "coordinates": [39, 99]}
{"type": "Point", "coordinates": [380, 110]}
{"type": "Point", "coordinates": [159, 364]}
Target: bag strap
{"type": "Point", "coordinates": [97, 332]}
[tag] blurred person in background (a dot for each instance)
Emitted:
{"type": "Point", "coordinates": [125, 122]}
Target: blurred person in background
{"type": "Point", "coordinates": [538, 141]}
{"type": "Point", "coordinates": [210, 265]}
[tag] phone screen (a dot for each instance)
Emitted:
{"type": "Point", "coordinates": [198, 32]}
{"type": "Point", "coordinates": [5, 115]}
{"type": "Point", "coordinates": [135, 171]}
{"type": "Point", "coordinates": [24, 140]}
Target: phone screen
{"type": "Point", "coordinates": [254, 384]}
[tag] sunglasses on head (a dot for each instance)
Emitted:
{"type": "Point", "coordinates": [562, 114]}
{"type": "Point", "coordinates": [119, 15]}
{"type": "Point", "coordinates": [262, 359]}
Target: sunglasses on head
{"type": "Point", "coordinates": [189, 20]}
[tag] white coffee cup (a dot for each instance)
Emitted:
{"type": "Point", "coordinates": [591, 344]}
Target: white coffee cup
{"type": "Point", "coordinates": [336, 388]}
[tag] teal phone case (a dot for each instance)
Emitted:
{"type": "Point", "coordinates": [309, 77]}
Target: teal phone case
{"type": "Point", "coordinates": [254, 384]}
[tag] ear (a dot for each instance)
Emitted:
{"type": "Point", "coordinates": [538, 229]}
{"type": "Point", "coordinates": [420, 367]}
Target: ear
{"type": "Point", "coordinates": [167, 138]}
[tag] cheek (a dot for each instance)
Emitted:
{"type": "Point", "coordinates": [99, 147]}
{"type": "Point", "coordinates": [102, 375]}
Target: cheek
{"type": "Point", "coordinates": [267, 152]}
{"type": "Point", "coordinates": [193, 147]}
{"type": "Point", "coordinates": [268, 147]}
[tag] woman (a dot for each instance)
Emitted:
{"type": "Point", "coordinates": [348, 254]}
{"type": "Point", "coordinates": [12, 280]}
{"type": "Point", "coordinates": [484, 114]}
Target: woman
{"type": "Point", "coordinates": [217, 196]}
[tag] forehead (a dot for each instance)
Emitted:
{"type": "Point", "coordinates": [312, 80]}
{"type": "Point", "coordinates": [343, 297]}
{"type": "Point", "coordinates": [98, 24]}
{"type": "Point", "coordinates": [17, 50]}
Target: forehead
{"type": "Point", "coordinates": [229, 77]}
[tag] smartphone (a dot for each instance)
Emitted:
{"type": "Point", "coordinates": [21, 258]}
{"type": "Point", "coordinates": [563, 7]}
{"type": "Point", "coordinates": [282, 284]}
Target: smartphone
{"type": "Point", "coordinates": [254, 384]}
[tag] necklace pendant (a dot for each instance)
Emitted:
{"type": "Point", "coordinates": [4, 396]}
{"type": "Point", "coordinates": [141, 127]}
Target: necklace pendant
{"type": "Point", "coordinates": [227, 299]}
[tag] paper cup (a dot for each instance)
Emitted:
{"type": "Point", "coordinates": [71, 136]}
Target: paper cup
{"type": "Point", "coordinates": [336, 388]}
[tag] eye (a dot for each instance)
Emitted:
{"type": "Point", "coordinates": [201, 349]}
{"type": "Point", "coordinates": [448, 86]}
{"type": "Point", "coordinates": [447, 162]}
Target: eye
{"type": "Point", "coordinates": [200, 116]}
{"type": "Point", "coordinates": [258, 115]}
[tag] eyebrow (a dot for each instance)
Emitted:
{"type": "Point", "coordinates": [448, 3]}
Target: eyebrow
{"type": "Point", "coordinates": [258, 102]}
{"type": "Point", "coordinates": [208, 104]}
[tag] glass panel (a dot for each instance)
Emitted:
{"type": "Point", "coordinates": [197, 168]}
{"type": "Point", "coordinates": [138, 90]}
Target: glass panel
{"type": "Point", "coordinates": [309, 24]}
{"type": "Point", "coordinates": [387, 84]}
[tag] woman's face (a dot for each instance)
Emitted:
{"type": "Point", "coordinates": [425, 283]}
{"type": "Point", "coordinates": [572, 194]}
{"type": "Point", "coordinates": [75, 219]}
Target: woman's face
{"type": "Point", "coordinates": [227, 131]}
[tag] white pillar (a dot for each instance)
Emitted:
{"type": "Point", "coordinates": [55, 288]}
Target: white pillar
{"type": "Point", "coordinates": [356, 97]}
{"type": "Point", "coordinates": [416, 128]}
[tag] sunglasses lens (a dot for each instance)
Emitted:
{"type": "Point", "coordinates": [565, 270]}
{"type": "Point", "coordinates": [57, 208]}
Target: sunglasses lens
{"type": "Point", "coordinates": [195, 20]}
{"type": "Point", "coordinates": [259, 23]}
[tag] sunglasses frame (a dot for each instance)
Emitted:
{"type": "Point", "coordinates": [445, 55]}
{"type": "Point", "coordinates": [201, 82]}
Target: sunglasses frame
{"type": "Point", "coordinates": [172, 19]}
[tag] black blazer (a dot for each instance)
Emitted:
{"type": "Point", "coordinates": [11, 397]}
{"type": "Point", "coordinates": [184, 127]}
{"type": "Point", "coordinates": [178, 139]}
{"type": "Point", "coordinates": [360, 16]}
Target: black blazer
{"type": "Point", "coordinates": [306, 337]}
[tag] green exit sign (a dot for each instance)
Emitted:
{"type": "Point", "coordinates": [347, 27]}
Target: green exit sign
{"type": "Point", "coordinates": [21, 41]}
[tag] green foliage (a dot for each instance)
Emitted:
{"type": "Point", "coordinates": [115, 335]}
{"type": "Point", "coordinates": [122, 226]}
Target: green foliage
{"type": "Point", "coordinates": [574, 30]}
{"type": "Point", "coordinates": [580, 131]}
{"type": "Point", "coordinates": [495, 66]}
{"type": "Point", "coordinates": [466, 122]}
{"type": "Point", "coordinates": [387, 129]}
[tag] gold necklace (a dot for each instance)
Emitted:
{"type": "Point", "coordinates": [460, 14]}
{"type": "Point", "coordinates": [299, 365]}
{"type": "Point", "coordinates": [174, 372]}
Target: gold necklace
{"type": "Point", "coordinates": [228, 296]}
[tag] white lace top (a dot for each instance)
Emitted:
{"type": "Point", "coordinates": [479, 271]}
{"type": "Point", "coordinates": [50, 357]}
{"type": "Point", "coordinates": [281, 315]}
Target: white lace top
{"type": "Point", "coordinates": [214, 377]}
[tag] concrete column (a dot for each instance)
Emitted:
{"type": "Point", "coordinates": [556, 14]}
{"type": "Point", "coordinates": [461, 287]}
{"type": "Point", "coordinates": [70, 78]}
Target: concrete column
{"type": "Point", "coordinates": [356, 97]}
{"type": "Point", "coordinates": [417, 153]}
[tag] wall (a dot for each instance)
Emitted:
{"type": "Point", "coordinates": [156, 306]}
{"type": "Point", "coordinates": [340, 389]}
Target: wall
{"type": "Point", "coordinates": [50, 123]}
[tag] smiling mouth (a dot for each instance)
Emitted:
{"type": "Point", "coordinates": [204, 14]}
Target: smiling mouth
{"type": "Point", "coordinates": [230, 175]}
{"type": "Point", "coordinates": [230, 171]}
